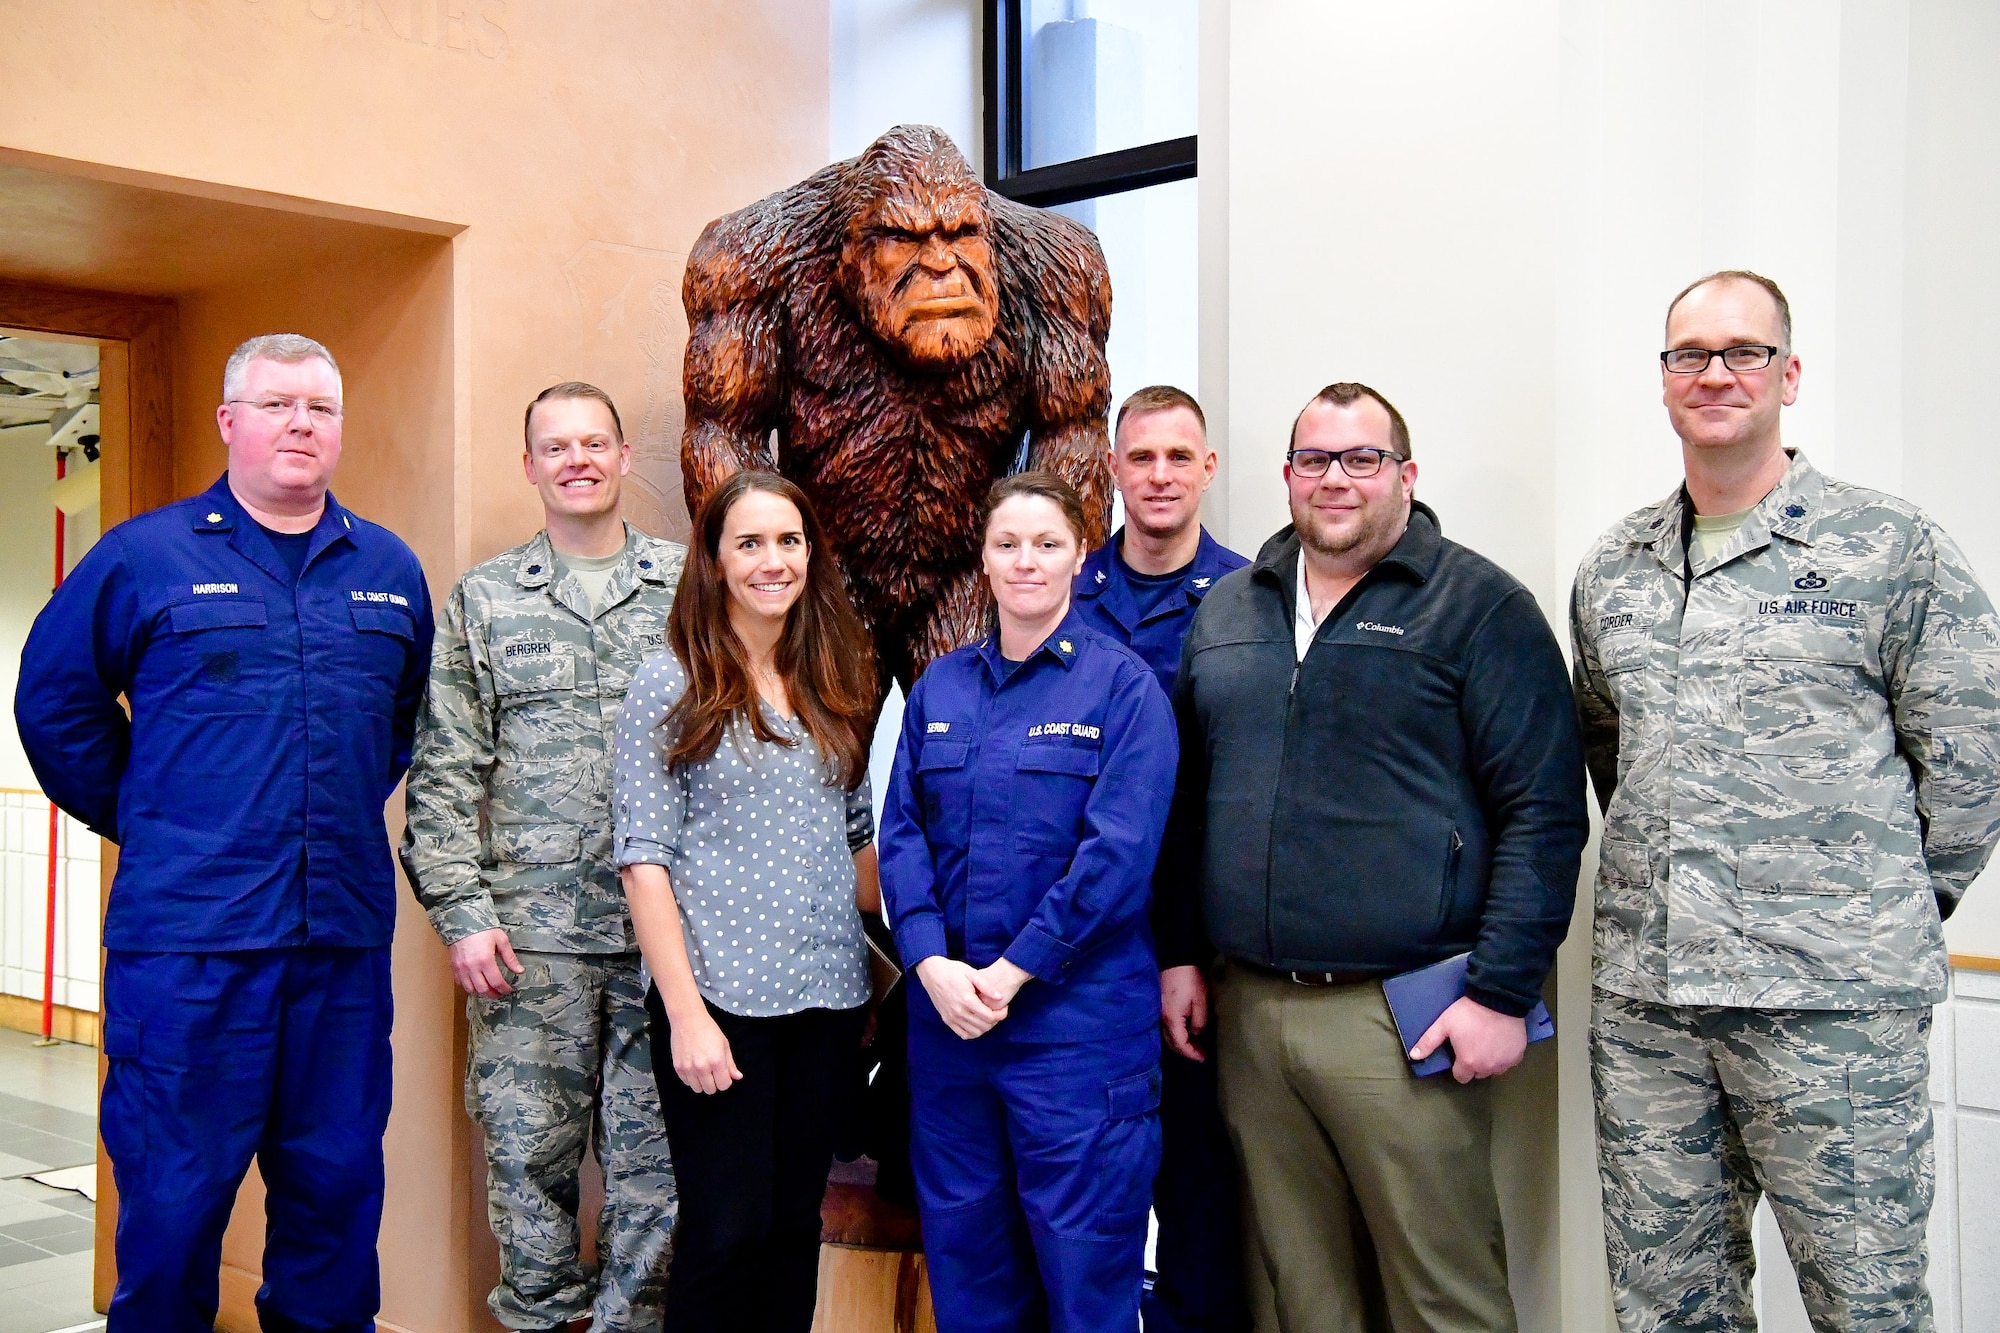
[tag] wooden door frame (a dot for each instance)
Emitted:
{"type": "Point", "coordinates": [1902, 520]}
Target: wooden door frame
{"type": "Point", "coordinates": [135, 338]}
{"type": "Point", "coordinates": [137, 332]}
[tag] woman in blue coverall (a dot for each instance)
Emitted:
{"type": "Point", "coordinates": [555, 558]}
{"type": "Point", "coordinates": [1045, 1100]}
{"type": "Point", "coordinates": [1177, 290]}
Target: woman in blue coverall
{"type": "Point", "coordinates": [1030, 792]}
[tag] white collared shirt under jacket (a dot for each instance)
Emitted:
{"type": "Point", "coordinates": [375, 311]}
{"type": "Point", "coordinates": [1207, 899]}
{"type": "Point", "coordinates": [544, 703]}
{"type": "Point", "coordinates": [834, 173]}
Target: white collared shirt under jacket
{"type": "Point", "coordinates": [1799, 753]}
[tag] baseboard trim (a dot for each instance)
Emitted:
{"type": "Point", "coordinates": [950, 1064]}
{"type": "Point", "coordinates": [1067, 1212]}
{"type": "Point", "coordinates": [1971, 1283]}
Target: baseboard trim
{"type": "Point", "coordinates": [21, 1014]}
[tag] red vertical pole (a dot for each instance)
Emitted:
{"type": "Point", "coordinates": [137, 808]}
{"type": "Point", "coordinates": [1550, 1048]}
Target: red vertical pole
{"type": "Point", "coordinates": [55, 821]}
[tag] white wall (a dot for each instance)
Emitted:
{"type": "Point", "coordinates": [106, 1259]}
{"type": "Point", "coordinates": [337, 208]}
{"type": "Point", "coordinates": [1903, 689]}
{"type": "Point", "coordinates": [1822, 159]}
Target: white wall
{"type": "Point", "coordinates": [1482, 211]}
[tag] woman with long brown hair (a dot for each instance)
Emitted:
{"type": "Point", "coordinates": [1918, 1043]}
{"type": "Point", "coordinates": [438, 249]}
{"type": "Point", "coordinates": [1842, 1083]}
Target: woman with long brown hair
{"type": "Point", "coordinates": [746, 842]}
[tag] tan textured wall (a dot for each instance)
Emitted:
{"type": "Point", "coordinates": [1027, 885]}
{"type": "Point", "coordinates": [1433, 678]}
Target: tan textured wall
{"type": "Point", "coordinates": [467, 200]}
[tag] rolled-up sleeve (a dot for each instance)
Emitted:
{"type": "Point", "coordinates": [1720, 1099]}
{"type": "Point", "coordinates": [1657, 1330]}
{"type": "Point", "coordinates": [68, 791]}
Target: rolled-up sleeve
{"type": "Point", "coordinates": [649, 806]}
{"type": "Point", "coordinates": [860, 816]}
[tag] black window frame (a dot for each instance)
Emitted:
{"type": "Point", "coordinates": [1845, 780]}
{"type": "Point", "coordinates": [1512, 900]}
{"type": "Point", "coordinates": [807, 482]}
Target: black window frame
{"type": "Point", "coordinates": [1062, 182]}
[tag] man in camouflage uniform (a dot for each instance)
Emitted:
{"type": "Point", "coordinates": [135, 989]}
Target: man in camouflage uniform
{"type": "Point", "coordinates": [1790, 692]}
{"type": "Point", "coordinates": [509, 847]}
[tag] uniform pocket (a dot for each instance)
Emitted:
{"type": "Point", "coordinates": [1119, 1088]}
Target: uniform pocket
{"type": "Point", "coordinates": [548, 844]}
{"type": "Point", "coordinates": [379, 650]}
{"type": "Point", "coordinates": [939, 765]}
{"type": "Point", "coordinates": [1127, 1154]}
{"type": "Point", "coordinates": [1888, 1097]}
{"type": "Point", "coordinates": [1623, 658]}
{"type": "Point", "coordinates": [1052, 786]}
{"type": "Point", "coordinates": [219, 642]}
{"type": "Point", "coordinates": [1624, 903]}
{"type": "Point", "coordinates": [1804, 690]}
{"type": "Point", "coordinates": [535, 690]}
{"type": "Point", "coordinates": [1807, 910]}
{"type": "Point", "coordinates": [122, 1117]}
{"type": "Point", "coordinates": [1138, 1094]}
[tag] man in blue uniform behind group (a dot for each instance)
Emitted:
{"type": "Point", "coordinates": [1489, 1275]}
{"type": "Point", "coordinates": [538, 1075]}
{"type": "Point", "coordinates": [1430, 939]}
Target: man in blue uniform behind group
{"type": "Point", "coordinates": [1142, 588]}
{"type": "Point", "coordinates": [272, 648]}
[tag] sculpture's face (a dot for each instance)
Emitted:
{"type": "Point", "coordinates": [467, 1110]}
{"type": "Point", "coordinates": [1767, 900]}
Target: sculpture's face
{"type": "Point", "coordinates": [917, 267]}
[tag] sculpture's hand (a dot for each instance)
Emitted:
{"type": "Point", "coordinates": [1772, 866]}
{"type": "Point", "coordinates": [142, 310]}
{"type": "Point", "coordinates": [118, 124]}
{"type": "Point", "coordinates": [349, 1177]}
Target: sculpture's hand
{"type": "Point", "coordinates": [958, 618]}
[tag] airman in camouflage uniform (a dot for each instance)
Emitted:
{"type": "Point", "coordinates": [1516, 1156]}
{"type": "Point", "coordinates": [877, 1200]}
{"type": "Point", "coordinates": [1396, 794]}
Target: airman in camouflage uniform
{"type": "Point", "coordinates": [510, 831]}
{"type": "Point", "coordinates": [1795, 735]}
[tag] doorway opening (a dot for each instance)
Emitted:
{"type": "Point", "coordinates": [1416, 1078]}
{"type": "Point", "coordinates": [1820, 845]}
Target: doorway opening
{"type": "Point", "coordinates": [160, 279]}
{"type": "Point", "coordinates": [51, 438]}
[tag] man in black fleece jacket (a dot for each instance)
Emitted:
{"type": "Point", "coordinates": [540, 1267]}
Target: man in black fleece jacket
{"type": "Point", "coordinates": [1380, 768]}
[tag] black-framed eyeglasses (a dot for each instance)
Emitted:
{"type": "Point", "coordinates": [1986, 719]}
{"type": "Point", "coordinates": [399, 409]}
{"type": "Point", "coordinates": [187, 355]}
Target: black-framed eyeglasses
{"type": "Point", "coordinates": [1365, 462]}
{"type": "Point", "coordinates": [1694, 360]}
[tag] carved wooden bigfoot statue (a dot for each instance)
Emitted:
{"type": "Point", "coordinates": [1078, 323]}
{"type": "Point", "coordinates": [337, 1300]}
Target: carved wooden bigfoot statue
{"type": "Point", "coordinates": [900, 327]}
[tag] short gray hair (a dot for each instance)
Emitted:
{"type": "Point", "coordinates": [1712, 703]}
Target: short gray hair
{"type": "Point", "coordinates": [289, 348]}
{"type": "Point", "coordinates": [1771, 290]}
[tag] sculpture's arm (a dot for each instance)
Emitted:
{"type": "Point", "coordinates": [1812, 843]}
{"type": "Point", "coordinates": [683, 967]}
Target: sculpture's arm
{"type": "Point", "coordinates": [1066, 290]}
{"type": "Point", "coordinates": [734, 370]}
{"type": "Point", "coordinates": [1079, 452]}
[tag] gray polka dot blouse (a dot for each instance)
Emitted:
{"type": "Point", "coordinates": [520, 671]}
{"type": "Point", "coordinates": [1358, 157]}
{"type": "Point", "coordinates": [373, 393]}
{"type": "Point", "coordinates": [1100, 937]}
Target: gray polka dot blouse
{"type": "Point", "coordinates": [759, 846]}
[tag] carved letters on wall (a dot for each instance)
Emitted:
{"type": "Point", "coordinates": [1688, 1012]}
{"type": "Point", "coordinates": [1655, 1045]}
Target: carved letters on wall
{"type": "Point", "coordinates": [477, 27]}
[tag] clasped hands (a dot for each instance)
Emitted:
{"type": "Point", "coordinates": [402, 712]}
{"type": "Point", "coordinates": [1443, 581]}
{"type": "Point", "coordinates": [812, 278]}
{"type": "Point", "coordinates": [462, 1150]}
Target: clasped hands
{"type": "Point", "coordinates": [971, 1000]}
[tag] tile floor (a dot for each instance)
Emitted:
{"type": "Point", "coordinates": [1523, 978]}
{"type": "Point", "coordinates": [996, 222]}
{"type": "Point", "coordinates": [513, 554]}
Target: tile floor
{"type": "Point", "coordinates": [48, 1118]}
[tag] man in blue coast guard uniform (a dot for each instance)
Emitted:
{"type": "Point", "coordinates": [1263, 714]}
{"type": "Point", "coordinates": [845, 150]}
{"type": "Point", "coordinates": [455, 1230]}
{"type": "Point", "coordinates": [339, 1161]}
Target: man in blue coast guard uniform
{"type": "Point", "coordinates": [272, 647]}
{"type": "Point", "coordinates": [1142, 588]}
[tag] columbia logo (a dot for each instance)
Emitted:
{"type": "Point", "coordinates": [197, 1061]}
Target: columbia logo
{"type": "Point", "coordinates": [1377, 628]}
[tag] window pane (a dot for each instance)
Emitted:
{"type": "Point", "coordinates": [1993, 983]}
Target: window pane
{"type": "Point", "coordinates": [1099, 75]}
{"type": "Point", "coordinates": [1150, 245]}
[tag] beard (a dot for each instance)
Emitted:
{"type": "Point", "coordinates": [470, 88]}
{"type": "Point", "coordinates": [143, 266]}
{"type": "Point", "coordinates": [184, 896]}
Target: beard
{"type": "Point", "coordinates": [1380, 525]}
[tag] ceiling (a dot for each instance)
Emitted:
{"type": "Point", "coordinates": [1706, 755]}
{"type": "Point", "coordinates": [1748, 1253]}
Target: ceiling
{"type": "Point", "coordinates": [41, 381]}
{"type": "Point", "coordinates": [74, 231]}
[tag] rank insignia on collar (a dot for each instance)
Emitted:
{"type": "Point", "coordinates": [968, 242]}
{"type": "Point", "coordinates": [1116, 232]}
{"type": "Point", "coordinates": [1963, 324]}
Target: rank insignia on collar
{"type": "Point", "coordinates": [1064, 644]}
{"type": "Point", "coordinates": [1100, 576]}
{"type": "Point", "coordinates": [215, 518]}
{"type": "Point", "coordinates": [1203, 581]}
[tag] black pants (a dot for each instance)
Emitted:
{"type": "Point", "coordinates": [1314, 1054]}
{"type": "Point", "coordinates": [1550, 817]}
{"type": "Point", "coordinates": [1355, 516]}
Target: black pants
{"type": "Point", "coordinates": [751, 1167]}
{"type": "Point", "coordinates": [1200, 1250]}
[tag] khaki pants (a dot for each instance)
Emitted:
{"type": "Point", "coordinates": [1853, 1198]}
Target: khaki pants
{"type": "Point", "coordinates": [1371, 1191]}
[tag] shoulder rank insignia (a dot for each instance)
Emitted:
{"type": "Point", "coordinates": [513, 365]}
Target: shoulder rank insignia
{"type": "Point", "coordinates": [215, 518]}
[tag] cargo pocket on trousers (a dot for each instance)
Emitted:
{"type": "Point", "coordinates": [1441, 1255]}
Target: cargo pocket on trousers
{"type": "Point", "coordinates": [1127, 1154]}
{"type": "Point", "coordinates": [1888, 1097]}
{"type": "Point", "coordinates": [121, 1121]}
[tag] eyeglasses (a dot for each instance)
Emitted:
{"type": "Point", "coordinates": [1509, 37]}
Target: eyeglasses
{"type": "Point", "coordinates": [1694, 360]}
{"type": "Point", "coordinates": [1354, 462]}
{"type": "Point", "coordinates": [319, 411]}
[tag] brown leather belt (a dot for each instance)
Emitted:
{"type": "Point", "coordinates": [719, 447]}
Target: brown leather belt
{"type": "Point", "coordinates": [1310, 978]}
